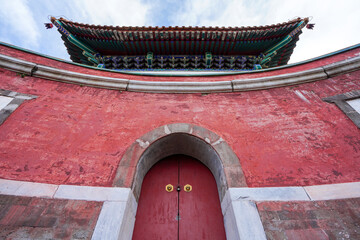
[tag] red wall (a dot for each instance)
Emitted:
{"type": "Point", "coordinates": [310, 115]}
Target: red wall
{"type": "Point", "coordinates": [77, 135]}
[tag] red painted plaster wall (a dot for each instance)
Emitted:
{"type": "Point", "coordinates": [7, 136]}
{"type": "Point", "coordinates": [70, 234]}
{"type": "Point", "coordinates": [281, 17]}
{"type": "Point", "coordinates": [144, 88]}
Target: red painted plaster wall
{"type": "Point", "coordinates": [77, 135]}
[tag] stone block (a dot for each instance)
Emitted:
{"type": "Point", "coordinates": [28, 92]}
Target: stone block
{"type": "Point", "coordinates": [109, 222]}
{"type": "Point", "coordinates": [269, 194]}
{"type": "Point", "coordinates": [334, 191]}
{"type": "Point", "coordinates": [92, 193]}
{"type": "Point", "coordinates": [248, 220]}
{"type": "Point", "coordinates": [28, 189]}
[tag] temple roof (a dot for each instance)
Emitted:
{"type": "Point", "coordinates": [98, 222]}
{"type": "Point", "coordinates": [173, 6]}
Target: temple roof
{"type": "Point", "coordinates": [270, 45]}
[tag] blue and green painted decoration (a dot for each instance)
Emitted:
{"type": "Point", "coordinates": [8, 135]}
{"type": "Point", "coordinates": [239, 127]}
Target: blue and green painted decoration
{"type": "Point", "coordinates": [185, 48]}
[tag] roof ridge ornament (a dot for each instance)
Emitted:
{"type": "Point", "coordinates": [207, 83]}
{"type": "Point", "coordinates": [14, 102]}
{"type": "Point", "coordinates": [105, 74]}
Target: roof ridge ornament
{"type": "Point", "coordinates": [310, 26]}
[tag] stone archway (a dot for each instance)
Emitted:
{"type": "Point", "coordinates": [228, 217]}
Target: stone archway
{"type": "Point", "coordinates": [180, 138]}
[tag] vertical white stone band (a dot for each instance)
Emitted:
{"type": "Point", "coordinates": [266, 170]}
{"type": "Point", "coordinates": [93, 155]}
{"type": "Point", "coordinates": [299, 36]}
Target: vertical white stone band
{"type": "Point", "coordinates": [241, 218]}
{"type": "Point", "coordinates": [108, 225]}
{"type": "Point", "coordinates": [248, 220]}
{"type": "Point", "coordinates": [116, 220]}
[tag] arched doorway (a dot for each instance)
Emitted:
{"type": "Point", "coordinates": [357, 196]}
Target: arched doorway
{"type": "Point", "coordinates": [179, 200]}
{"type": "Point", "coordinates": [179, 138]}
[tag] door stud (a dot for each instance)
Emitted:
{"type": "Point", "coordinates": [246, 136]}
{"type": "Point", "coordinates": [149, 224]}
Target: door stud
{"type": "Point", "coordinates": [169, 188]}
{"type": "Point", "coordinates": [187, 188]}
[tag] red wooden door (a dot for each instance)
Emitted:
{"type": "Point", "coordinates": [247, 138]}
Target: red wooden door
{"type": "Point", "coordinates": [179, 214]}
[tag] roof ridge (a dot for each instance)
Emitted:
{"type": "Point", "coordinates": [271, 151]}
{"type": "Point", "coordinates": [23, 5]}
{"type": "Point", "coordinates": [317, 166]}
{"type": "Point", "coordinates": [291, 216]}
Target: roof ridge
{"type": "Point", "coordinates": [84, 41]}
{"type": "Point", "coordinates": [181, 28]}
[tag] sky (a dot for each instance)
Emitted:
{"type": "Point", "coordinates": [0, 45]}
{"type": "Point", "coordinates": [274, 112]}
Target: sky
{"type": "Point", "coordinates": [337, 23]}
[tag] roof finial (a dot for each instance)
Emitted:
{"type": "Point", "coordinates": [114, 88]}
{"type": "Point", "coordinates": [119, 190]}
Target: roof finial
{"type": "Point", "coordinates": [48, 25]}
{"type": "Point", "coordinates": [310, 26]}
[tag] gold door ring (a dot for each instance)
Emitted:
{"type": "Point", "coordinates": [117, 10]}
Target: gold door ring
{"type": "Point", "coordinates": [187, 188]}
{"type": "Point", "coordinates": [169, 188]}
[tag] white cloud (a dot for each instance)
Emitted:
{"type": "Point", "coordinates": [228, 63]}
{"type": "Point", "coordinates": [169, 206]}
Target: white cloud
{"type": "Point", "coordinates": [112, 12]}
{"type": "Point", "coordinates": [219, 13]}
{"type": "Point", "coordinates": [18, 23]}
{"type": "Point", "coordinates": [336, 25]}
{"type": "Point", "coordinates": [337, 22]}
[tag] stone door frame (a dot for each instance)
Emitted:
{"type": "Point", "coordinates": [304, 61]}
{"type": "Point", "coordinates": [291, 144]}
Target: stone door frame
{"type": "Point", "coordinates": [199, 143]}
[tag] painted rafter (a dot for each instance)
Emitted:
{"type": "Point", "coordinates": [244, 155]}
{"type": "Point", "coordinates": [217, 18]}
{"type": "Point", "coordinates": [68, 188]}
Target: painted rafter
{"type": "Point", "coordinates": [273, 44]}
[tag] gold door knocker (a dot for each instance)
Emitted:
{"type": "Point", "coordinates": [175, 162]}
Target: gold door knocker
{"type": "Point", "coordinates": [187, 188]}
{"type": "Point", "coordinates": [169, 188]}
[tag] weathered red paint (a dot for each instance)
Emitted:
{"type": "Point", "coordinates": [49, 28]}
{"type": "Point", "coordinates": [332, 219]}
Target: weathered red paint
{"type": "Point", "coordinates": [77, 135]}
{"type": "Point", "coordinates": [200, 210]}
{"type": "Point", "coordinates": [158, 209]}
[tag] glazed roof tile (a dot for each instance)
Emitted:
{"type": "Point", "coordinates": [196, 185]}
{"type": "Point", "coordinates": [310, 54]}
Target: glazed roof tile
{"type": "Point", "coordinates": [186, 28]}
{"type": "Point", "coordinates": [126, 41]}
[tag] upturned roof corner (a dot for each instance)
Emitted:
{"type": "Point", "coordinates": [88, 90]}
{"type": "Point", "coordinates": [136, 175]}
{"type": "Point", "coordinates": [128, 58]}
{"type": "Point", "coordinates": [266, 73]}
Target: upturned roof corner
{"type": "Point", "coordinates": [186, 48]}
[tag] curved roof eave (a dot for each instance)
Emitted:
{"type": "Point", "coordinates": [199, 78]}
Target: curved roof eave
{"type": "Point", "coordinates": [127, 41]}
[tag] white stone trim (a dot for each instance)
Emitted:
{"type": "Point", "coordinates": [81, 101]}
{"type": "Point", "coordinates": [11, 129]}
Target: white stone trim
{"type": "Point", "coordinates": [4, 101]}
{"type": "Point", "coordinates": [14, 100]}
{"type": "Point", "coordinates": [80, 78]}
{"type": "Point", "coordinates": [333, 191]}
{"type": "Point", "coordinates": [117, 216]}
{"type": "Point", "coordinates": [108, 225]}
{"type": "Point", "coordinates": [179, 87]}
{"type": "Point", "coordinates": [90, 193]}
{"type": "Point", "coordinates": [87, 193]}
{"type": "Point", "coordinates": [248, 221]}
{"type": "Point", "coordinates": [269, 194]}
{"type": "Point", "coordinates": [347, 65]}
{"type": "Point", "coordinates": [355, 104]}
{"type": "Point", "coordinates": [342, 101]}
{"type": "Point", "coordinates": [28, 189]}
{"type": "Point", "coordinates": [280, 80]}
{"type": "Point", "coordinates": [116, 220]}
{"type": "Point", "coordinates": [122, 84]}
{"type": "Point", "coordinates": [241, 217]}
{"type": "Point", "coordinates": [16, 65]}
